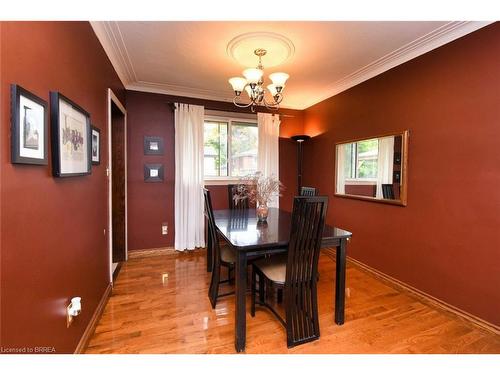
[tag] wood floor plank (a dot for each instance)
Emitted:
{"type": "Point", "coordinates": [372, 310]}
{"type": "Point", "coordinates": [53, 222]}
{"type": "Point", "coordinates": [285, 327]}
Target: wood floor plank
{"type": "Point", "coordinates": [147, 314]}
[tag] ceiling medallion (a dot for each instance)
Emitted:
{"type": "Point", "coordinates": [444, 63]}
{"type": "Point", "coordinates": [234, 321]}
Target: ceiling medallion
{"type": "Point", "coordinates": [279, 48]}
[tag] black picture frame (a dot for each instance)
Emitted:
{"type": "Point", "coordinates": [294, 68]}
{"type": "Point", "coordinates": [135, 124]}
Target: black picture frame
{"type": "Point", "coordinates": [397, 158]}
{"type": "Point", "coordinates": [153, 145]}
{"type": "Point", "coordinates": [73, 139]}
{"type": "Point", "coordinates": [150, 175]}
{"type": "Point", "coordinates": [96, 145]}
{"type": "Point", "coordinates": [396, 177]}
{"type": "Point", "coordinates": [22, 125]}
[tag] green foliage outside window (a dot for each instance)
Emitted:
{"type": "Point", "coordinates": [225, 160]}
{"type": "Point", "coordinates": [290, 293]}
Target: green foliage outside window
{"type": "Point", "coordinates": [240, 145]}
{"type": "Point", "coordinates": [367, 158]}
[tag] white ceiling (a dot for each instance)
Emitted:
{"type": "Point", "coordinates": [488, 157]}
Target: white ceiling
{"type": "Point", "coordinates": [192, 59]}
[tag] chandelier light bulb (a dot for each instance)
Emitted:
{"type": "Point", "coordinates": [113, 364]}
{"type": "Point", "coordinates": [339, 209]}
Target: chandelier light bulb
{"type": "Point", "coordinates": [272, 89]}
{"type": "Point", "coordinates": [279, 80]}
{"type": "Point", "coordinates": [253, 75]}
{"type": "Point", "coordinates": [238, 84]}
{"type": "Point", "coordinates": [248, 89]}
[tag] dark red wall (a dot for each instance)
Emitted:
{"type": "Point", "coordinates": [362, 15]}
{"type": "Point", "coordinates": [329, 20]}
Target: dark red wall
{"type": "Point", "coordinates": [219, 196]}
{"type": "Point", "coordinates": [365, 190]}
{"type": "Point", "coordinates": [52, 245]}
{"type": "Point", "coordinates": [446, 242]}
{"type": "Point", "coordinates": [2, 134]}
{"type": "Point", "coordinates": [151, 204]}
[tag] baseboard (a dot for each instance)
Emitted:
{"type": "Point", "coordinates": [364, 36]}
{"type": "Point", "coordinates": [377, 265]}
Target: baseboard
{"type": "Point", "coordinates": [134, 254]}
{"type": "Point", "coordinates": [84, 341]}
{"type": "Point", "coordinates": [117, 271]}
{"type": "Point", "coordinates": [423, 296]}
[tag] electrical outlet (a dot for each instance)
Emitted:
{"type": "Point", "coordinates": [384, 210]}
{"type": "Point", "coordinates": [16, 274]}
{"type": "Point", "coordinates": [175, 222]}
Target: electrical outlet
{"type": "Point", "coordinates": [164, 229]}
{"type": "Point", "coordinates": [69, 317]}
{"type": "Point", "coordinates": [73, 309]}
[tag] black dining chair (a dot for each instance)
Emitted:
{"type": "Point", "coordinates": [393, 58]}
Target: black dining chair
{"type": "Point", "coordinates": [238, 220]}
{"type": "Point", "coordinates": [306, 191]}
{"type": "Point", "coordinates": [387, 191]}
{"type": "Point", "coordinates": [232, 193]}
{"type": "Point", "coordinates": [296, 273]}
{"type": "Point", "coordinates": [223, 255]}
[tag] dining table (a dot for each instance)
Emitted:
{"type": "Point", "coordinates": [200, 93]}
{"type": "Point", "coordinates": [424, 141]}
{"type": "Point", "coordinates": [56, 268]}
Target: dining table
{"type": "Point", "coordinates": [251, 238]}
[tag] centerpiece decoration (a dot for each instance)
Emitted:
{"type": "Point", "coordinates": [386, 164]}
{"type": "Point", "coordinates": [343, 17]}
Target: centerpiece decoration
{"type": "Point", "coordinates": [260, 190]}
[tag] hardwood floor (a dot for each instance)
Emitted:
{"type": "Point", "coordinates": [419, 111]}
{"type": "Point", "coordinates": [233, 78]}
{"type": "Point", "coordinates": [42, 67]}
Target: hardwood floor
{"type": "Point", "coordinates": [147, 315]}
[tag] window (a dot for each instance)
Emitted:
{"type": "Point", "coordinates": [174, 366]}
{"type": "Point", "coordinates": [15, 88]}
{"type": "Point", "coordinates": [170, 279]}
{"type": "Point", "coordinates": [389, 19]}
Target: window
{"type": "Point", "coordinates": [230, 147]}
{"type": "Point", "coordinates": [215, 148]}
{"type": "Point", "coordinates": [361, 160]}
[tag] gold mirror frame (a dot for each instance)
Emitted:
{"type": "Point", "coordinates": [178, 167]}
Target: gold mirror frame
{"type": "Point", "coordinates": [404, 171]}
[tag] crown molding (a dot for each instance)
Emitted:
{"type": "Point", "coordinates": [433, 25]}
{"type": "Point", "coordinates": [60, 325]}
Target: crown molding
{"type": "Point", "coordinates": [108, 33]}
{"type": "Point", "coordinates": [175, 90]}
{"type": "Point", "coordinates": [110, 36]}
{"type": "Point", "coordinates": [424, 44]}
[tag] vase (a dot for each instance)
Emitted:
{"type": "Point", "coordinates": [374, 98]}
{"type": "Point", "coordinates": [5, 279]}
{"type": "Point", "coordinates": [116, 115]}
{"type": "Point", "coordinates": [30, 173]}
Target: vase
{"type": "Point", "coordinates": [262, 211]}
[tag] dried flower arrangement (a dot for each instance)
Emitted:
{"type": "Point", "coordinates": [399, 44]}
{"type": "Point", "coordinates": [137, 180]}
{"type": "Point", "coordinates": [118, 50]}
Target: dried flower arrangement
{"type": "Point", "coordinates": [259, 189]}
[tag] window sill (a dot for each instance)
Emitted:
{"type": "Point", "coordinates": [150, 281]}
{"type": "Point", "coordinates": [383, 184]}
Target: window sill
{"type": "Point", "coordinates": [360, 182]}
{"type": "Point", "coordinates": [222, 181]}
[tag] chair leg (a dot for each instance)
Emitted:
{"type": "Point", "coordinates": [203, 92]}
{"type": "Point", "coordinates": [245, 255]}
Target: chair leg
{"type": "Point", "coordinates": [252, 308]}
{"type": "Point", "coordinates": [213, 290]}
{"type": "Point", "coordinates": [262, 289]}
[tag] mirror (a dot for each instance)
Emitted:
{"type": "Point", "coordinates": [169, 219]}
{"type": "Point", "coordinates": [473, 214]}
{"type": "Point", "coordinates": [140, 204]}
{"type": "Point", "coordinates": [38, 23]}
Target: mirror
{"type": "Point", "coordinates": [373, 168]}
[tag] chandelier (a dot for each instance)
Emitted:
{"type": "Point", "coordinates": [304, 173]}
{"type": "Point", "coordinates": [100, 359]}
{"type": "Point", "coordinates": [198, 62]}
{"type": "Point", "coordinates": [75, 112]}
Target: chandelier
{"type": "Point", "coordinates": [253, 84]}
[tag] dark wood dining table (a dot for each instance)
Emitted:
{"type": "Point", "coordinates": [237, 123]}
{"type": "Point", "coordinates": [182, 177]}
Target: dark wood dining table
{"type": "Point", "coordinates": [250, 238]}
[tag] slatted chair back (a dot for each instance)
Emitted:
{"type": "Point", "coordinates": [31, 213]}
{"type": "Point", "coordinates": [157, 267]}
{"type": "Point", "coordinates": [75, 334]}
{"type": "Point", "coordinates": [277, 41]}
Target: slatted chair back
{"type": "Point", "coordinates": [387, 191]}
{"type": "Point", "coordinates": [214, 243]}
{"type": "Point", "coordinates": [306, 191]}
{"type": "Point", "coordinates": [238, 220]}
{"type": "Point", "coordinates": [308, 220]}
{"type": "Point", "coordinates": [232, 191]}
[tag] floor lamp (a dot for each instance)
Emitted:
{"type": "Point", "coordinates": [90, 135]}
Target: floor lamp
{"type": "Point", "coordinates": [299, 139]}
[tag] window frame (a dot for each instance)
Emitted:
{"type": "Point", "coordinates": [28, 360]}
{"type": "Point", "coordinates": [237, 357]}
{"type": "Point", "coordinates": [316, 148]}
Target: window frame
{"type": "Point", "coordinates": [225, 180]}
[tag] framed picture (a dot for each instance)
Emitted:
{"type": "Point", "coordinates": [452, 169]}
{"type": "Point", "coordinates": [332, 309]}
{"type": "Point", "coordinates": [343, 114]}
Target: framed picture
{"type": "Point", "coordinates": [153, 172]}
{"type": "Point", "coordinates": [29, 126]}
{"type": "Point", "coordinates": [153, 145]}
{"type": "Point", "coordinates": [71, 137]}
{"type": "Point", "coordinates": [397, 158]}
{"type": "Point", "coordinates": [96, 145]}
{"type": "Point", "coordinates": [396, 177]}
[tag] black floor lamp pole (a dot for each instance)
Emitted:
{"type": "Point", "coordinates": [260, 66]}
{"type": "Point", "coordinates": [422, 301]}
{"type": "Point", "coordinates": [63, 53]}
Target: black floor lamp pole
{"type": "Point", "coordinates": [299, 139]}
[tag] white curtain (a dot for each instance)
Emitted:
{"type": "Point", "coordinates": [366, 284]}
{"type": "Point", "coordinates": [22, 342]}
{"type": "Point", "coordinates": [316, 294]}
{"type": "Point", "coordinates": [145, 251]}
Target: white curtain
{"type": "Point", "coordinates": [189, 218]}
{"type": "Point", "coordinates": [268, 156]}
{"type": "Point", "coordinates": [385, 163]}
{"type": "Point", "coordinates": [341, 154]}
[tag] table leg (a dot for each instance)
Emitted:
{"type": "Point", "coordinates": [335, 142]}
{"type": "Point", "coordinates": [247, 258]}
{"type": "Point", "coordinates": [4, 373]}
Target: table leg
{"type": "Point", "coordinates": [240, 308]}
{"type": "Point", "coordinates": [340, 282]}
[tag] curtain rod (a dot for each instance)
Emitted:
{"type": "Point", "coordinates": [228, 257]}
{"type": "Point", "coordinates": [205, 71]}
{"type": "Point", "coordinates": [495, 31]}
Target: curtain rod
{"type": "Point", "coordinates": [172, 105]}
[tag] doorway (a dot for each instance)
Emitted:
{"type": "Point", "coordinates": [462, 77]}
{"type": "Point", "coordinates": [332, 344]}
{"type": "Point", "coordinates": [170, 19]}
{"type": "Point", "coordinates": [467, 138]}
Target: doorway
{"type": "Point", "coordinates": [117, 192]}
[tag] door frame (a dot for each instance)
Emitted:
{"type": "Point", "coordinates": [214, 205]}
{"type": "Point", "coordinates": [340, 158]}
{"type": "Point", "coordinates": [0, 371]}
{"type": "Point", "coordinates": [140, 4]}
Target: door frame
{"type": "Point", "coordinates": [112, 99]}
